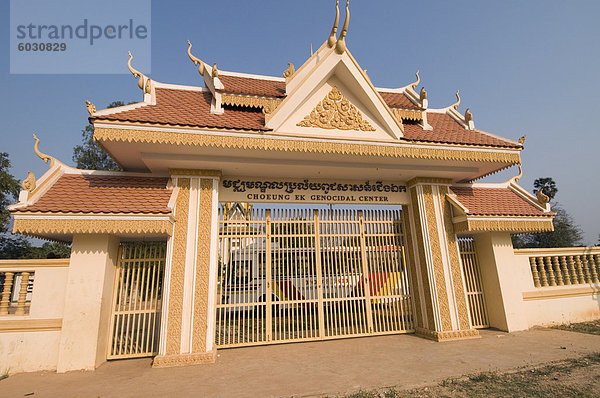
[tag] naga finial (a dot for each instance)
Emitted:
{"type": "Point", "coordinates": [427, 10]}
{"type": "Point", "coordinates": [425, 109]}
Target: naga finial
{"type": "Point", "coordinates": [91, 108]}
{"type": "Point", "coordinates": [542, 197]}
{"type": "Point", "coordinates": [522, 140]}
{"type": "Point", "coordinates": [340, 46]}
{"type": "Point", "coordinates": [518, 177]}
{"type": "Point", "coordinates": [468, 116]}
{"type": "Point", "coordinates": [215, 71]}
{"type": "Point", "coordinates": [415, 84]}
{"type": "Point", "coordinates": [457, 103]}
{"type": "Point", "coordinates": [42, 156]}
{"type": "Point", "coordinates": [29, 183]}
{"type": "Point", "coordinates": [196, 60]}
{"type": "Point", "coordinates": [423, 94]}
{"type": "Point", "coordinates": [289, 71]}
{"type": "Point", "coordinates": [146, 88]}
{"type": "Point", "coordinates": [331, 41]}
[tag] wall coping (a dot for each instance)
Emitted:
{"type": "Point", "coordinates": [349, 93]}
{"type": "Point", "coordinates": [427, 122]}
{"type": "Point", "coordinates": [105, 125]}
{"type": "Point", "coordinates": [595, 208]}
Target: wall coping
{"type": "Point", "coordinates": [562, 292]}
{"type": "Point", "coordinates": [555, 251]}
{"type": "Point", "coordinates": [9, 265]}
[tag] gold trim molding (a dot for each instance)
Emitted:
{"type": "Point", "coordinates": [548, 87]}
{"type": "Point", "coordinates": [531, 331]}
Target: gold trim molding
{"type": "Point", "coordinates": [449, 335]}
{"type": "Point", "coordinates": [30, 325]}
{"type": "Point", "coordinates": [480, 225]}
{"type": "Point", "coordinates": [169, 361]}
{"type": "Point", "coordinates": [407, 114]}
{"type": "Point", "coordinates": [195, 172]}
{"type": "Point", "coordinates": [336, 112]}
{"type": "Point", "coordinates": [428, 181]}
{"type": "Point", "coordinates": [40, 227]}
{"type": "Point", "coordinates": [285, 145]}
{"type": "Point", "coordinates": [267, 104]}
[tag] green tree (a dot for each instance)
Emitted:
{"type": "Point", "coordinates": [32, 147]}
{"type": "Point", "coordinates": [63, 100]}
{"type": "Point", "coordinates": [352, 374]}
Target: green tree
{"type": "Point", "coordinates": [9, 190]}
{"type": "Point", "coordinates": [566, 232]}
{"type": "Point", "coordinates": [89, 155]}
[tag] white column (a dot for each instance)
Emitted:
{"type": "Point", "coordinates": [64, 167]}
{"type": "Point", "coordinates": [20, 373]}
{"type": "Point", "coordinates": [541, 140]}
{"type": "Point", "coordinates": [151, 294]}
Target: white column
{"type": "Point", "coordinates": [88, 297]}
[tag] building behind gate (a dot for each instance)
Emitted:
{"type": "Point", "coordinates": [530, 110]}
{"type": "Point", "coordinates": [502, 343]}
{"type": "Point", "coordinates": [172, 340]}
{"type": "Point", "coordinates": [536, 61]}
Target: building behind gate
{"type": "Point", "coordinates": [259, 209]}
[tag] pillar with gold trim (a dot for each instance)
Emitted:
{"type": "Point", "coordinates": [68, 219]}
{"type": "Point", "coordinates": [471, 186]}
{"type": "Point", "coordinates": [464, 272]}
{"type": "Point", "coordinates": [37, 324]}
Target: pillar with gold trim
{"type": "Point", "coordinates": [187, 325]}
{"type": "Point", "coordinates": [442, 309]}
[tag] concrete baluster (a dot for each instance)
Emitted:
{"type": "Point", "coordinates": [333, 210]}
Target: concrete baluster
{"type": "Point", "coordinates": [22, 294]}
{"type": "Point", "coordinates": [5, 301]}
{"type": "Point", "coordinates": [551, 276]}
{"type": "Point", "coordinates": [557, 271]}
{"type": "Point", "coordinates": [534, 272]}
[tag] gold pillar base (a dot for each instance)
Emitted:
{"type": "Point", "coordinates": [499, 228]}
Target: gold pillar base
{"type": "Point", "coordinates": [449, 335]}
{"type": "Point", "coordinates": [169, 361]}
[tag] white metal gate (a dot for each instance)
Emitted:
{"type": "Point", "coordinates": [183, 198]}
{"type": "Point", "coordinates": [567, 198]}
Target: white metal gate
{"type": "Point", "coordinates": [298, 274]}
{"type": "Point", "coordinates": [137, 299]}
{"type": "Point", "coordinates": [475, 297]}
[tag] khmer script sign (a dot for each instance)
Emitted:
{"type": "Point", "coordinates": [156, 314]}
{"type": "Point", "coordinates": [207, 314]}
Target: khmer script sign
{"type": "Point", "coordinates": [277, 190]}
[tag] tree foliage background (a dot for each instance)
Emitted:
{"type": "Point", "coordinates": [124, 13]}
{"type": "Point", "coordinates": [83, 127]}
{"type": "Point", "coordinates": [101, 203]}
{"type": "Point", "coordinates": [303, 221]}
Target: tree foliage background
{"type": "Point", "coordinates": [566, 231]}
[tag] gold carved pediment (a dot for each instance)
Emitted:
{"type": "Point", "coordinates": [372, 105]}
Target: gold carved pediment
{"type": "Point", "coordinates": [336, 112]}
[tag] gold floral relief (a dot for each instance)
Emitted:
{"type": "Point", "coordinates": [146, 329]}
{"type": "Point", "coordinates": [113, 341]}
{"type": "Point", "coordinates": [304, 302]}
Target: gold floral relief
{"type": "Point", "coordinates": [336, 112]}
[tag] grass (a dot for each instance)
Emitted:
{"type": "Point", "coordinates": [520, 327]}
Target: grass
{"type": "Point", "coordinates": [4, 375]}
{"type": "Point", "coordinates": [578, 377]}
{"type": "Point", "coordinates": [592, 327]}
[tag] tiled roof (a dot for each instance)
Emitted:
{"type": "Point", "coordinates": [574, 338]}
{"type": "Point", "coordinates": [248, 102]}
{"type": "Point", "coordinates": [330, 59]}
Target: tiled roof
{"type": "Point", "coordinates": [495, 202]}
{"type": "Point", "coordinates": [271, 88]}
{"type": "Point", "coordinates": [398, 100]}
{"type": "Point", "coordinates": [189, 108]}
{"type": "Point", "coordinates": [88, 193]}
{"type": "Point", "coordinates": [251, 86]}
{"type": "Point", "coordinates": [447, 130]}
{"type": "Point", "coordinates": [192, 108]}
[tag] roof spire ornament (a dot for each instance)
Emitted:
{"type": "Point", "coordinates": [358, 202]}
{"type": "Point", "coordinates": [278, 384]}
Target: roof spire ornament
{"type": "Point", "coordinates": [195, 60]}
{"type": "Point", "coordinates": [42, 156]}
{"type": "Point", "coordinates": [457, 103]}
{"type": "Point", "coordinates": [423, 94]}
{"type": "Point", "coordinates": [142, 78]}
{"type": "Point", "coordinates": [91, 108]}
{"type": "Point", "coordinates": [542, 197]}
{"type": "Point", "coordinates": [289, 72]}
{"type": "Point", "coordinates": [522, 140]}
{"type": "Point", "coordinates": [332, 39]}
{"type": "Point", "coordinates": [340, 46]}
{"type": "Point", "coordinates": [468, 116]}
{"type": "Point", "coordinates": [215, 71]}
{"type": "Point", "coordinates": [415, 84]}
{"type": "Point", "coordinates": [29, 183]}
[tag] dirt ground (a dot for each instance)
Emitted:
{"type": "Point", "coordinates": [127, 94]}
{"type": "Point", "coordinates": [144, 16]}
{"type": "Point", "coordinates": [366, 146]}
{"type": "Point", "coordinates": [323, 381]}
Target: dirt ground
{"type": "Point", "coordinates": [421, 368]}
{"type": "Point", "coordinates": [576, 377]}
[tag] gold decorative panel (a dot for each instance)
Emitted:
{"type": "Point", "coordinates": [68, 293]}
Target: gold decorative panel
{"type": "Point", "coordinates": [336, 112]}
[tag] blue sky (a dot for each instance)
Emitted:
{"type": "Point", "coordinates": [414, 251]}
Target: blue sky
{"type": "Point", "coordinates": [522, 67]}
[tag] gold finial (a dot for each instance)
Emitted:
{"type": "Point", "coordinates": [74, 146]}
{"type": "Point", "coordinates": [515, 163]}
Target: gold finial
{"type": "Point", "coordinates": [522, 140]}
{"type": "Point", "coordinates": [468, 116]}
{"type": "Point", "coordinates": [457, 103]}
{"type": "Point", "coordinates": [517, 178]}
{"type": "Point", "coordinates": [29, 183]}
{"type": "Point", "coordinates": [91, 108]}
{"type": "Point", "coordinates": [415, 84]}
{"type": "Point", "coordinates": [289, 71]}
{"type": "Point", "coordinates": [135, 72]}
{"type": "Point", "coordinates": [196, 60]}
{"type": "Point", "coordinates": [423, 94]}
{"type": "Point", "coordinates": [215, 71]}
{"type": "Point", "coordinates": [331, 41]}
{"type": "Point", "coordinates": [340, 46]}
{"type": "Point", "coordinates": [542, 197]}
{"type": "Point", "coordinates": [42, 156]}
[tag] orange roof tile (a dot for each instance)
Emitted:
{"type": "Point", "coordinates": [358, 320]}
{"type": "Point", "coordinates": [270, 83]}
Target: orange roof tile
{"type": "Point", "coordinates": [251, 86]}
{"type": "Point", "coordinates": [89, 193]}
{"type": "Point", "coordinates": [495, 202]}
{"type": "Point", "coordinates": [398, 100]}
{"type": "Point", "coordinates": [192, 108]}
{"type": "Point", "coordinates": [189, 108]}
{"type": "Point", "coordinates": [447, 130]}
